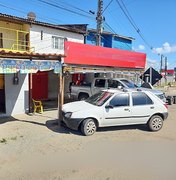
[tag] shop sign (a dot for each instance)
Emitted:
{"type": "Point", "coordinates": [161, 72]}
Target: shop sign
{"type": "Point", "coordinates": [26, 66]}
{"type": "Point", "coordinates": [8, 67]}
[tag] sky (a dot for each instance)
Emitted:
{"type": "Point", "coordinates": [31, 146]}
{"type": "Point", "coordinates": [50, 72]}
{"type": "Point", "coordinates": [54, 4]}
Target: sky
{"type": "Point", "coordinates": [150, 22]}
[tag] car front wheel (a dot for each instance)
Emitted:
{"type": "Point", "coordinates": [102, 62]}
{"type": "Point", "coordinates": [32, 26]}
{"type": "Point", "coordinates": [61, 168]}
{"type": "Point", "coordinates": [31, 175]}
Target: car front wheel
{"type": "Point", "coordinates": [88, 127]}
{"type": "Point", "coordinates": [155, 123]}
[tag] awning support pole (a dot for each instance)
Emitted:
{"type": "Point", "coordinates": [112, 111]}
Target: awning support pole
{"type": "Point", "coordinates": [60, 98]}
{"type": "Point", "coordinates": [30, 93]}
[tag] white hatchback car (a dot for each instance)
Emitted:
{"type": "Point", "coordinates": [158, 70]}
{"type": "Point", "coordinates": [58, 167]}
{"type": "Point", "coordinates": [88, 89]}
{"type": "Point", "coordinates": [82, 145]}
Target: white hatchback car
{"type": "Point", "coordinates": [114, 108]}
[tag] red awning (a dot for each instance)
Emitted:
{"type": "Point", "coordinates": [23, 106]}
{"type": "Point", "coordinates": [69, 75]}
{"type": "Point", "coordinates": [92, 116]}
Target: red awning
{"type": "Point", "coordinates": [84, 54]}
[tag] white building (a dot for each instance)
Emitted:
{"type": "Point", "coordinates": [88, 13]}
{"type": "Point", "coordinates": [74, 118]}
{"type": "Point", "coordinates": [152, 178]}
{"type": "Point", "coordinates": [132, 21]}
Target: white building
{"type": "Point", "coordinates": [20, 36]}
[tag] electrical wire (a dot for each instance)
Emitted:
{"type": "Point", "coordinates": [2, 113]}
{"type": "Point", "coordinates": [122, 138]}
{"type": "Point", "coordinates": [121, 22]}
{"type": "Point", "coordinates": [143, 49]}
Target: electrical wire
{"type": "Point", "coordinates": [23, 12]}
{"type": "Point", "coordinates": [132, 22]}
{"type": "Point", "coordinates": [63, 8]}
{"type": "Point", "coordinates": [74, 7]}
{"type": "Point", "coordinates": [107, 6]}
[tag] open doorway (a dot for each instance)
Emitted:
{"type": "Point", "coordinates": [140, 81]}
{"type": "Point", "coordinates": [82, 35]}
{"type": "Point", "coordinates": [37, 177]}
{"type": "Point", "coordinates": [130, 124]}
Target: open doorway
{"type": "Point", "coordinates": [2, 94]}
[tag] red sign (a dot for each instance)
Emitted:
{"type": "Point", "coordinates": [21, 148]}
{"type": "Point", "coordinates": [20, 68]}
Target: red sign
{"type": "Point", "coordinates": [84, 54]}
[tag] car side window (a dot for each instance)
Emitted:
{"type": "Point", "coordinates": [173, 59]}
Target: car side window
{"type": "Point", "coordinates": [140, 98]}
{"type": "Point", "coordinates": [114, 83]}
{"type": "Point", "coordinates": [100, 82]}
{"type": "Point", "coordinates": [120, 100]}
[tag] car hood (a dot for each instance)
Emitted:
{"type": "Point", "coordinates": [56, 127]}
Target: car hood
{"type": "Point", "coordinates": [154, 91]}
{"type": "Point", "coordinates": [76, 106]}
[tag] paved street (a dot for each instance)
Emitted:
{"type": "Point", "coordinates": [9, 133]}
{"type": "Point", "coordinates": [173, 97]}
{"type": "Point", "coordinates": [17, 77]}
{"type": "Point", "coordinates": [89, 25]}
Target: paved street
{"type": "Point", "coordinates": [33, 147]}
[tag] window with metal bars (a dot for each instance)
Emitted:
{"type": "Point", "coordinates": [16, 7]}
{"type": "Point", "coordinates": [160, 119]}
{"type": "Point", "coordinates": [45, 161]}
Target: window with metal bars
{"type": "Point", "coordinates": [58, 42]}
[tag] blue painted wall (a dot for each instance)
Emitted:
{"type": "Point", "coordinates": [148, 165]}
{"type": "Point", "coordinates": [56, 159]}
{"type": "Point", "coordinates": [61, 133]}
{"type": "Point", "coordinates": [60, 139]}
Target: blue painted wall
{"type": "Point", "coordinates": [110, 41]}
{"type": "Point", "coordinates": [121, 43]}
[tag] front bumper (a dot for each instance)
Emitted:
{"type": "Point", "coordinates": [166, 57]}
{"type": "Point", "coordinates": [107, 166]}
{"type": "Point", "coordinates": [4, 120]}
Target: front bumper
{"type": "Point", "coordinates": [72, 123]}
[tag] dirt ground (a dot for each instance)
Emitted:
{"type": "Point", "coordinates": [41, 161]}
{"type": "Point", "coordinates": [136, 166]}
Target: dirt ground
{"type": "Point", "coordinates": [32, 147]}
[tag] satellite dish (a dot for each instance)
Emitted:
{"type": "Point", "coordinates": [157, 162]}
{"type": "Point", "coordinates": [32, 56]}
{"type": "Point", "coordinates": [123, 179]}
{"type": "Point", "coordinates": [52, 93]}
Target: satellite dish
{"type": "Point", "coordinates": [31, 16]}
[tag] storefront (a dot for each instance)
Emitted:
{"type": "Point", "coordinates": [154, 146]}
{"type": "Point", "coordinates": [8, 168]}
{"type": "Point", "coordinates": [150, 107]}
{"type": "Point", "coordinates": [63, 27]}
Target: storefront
{"type": "Point", "coordinates": [16, 71]}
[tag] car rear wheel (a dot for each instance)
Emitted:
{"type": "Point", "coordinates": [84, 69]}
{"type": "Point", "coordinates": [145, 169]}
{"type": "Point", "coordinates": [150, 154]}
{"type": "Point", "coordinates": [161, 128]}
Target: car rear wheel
{"type": "Point", "coordinates": [88, 127]}
{"type": "Point", "coordinates": [170, 100]}
{"type": "Point", "coordinates": [155, 123]}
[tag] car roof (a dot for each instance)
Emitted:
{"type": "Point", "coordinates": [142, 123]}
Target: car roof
{"type": "Point", "coordinates": [114, 90]}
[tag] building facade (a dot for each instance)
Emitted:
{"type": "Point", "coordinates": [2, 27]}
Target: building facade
{"type": "Point", "coordinates": [20, 36]}
{"type": "Point", "coordinates": [34, 60]}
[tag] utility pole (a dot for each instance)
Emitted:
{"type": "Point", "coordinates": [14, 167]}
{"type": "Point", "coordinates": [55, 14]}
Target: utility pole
{"type": "Point", "coordinates": [161, 64]}
{"type": "Point", "coordinates": [165, 70]}
{"type": "Point", "coordinates": [99, 19]}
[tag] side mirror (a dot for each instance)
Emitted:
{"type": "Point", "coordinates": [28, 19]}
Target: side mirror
{"type": "Point", "coordinates": [109, 107]}
{"type": "Point", "coordinates": [119, 87]}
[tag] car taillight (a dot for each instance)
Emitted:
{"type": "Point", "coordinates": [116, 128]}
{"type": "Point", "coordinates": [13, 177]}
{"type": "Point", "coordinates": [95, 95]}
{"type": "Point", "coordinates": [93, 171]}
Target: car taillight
{"type": "Point", "coordinates": [166, 105]}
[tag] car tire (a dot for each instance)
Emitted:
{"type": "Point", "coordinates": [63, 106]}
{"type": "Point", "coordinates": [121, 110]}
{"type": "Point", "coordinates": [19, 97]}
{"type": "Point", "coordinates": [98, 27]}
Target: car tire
{"type": "Point", "coordinates": [170, 100]}
{"type": "Point", "coordinates": [155, 123]}
{"type": "Point", "coordinates": [88, 127]}
{"type": "Point", "coordinates": [83, 97]}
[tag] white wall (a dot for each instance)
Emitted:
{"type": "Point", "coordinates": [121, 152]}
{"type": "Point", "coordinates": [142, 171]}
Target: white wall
{"type": "Point", "coordinates": [16, 95]}
{"type": "Point", "coordinates": [45, 45]}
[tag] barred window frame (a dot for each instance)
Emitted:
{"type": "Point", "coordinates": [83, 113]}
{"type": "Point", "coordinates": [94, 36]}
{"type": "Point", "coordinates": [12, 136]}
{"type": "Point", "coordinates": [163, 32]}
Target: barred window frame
{"type": "Point", "coordinates": [58, 42]}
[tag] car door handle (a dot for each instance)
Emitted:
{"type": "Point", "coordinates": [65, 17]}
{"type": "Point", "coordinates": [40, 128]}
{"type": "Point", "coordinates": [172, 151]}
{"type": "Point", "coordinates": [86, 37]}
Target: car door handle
{"type": "Point", "coordinates": [126, 109]}
{"type": "Point", "coordinates": [152, 107]}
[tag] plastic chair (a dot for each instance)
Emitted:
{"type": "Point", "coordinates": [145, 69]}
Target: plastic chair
{"type": "Point", "coordinates": [38, 107]}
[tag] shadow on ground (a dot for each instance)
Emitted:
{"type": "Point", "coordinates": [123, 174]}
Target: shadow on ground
{"type": "Point", "coordinates": [53, 126]}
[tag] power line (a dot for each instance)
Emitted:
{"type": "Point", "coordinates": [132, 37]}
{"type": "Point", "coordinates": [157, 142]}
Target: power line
{"type": "Point", "coordinates": [132, 22]}
{"type": "Point", "coordinates": [63, 8]}
{"type": "Point", "coordinates": [25, 13]}
{"type": "Point", "coordinates": [107, 6]}
{"type": "Point", "coordinates": [70, 5]}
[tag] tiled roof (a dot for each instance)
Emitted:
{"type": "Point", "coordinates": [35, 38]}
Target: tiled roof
{"type": "Point", "coordinates": [30, 55]}
{"type": "Point", "coordinates": [78, 28]}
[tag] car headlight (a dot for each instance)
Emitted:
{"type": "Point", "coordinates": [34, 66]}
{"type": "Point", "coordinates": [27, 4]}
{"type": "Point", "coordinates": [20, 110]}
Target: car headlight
{"type": "Point", "coordinates": [68, 114]}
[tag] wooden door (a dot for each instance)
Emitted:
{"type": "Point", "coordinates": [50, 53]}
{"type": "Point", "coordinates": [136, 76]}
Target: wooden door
{"type": "Point", "coordinates": [2, 94]}
{"type": "Point", "coordinates": [40, 86]}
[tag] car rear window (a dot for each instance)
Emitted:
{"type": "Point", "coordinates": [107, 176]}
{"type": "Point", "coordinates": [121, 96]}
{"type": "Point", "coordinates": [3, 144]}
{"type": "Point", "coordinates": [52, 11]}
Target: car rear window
{"type": "Point", "coordinates": [140, 98]}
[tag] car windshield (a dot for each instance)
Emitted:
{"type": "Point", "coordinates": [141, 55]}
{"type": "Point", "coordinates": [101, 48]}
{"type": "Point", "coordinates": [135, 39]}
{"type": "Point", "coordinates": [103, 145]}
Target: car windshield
{"type": "Point", "coordinates": [129, 83]}
{"type": "Point", "coordinates": [99, 98]}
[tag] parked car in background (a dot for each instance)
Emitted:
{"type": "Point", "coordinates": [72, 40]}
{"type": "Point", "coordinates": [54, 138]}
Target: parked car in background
{"type": "Point", "coordinates": [115, 107]}
{"type": "Point", "coordinates": [86, 90]}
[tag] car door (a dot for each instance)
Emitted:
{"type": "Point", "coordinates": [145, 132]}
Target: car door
{"type": "Point", "coordinates": [99, 85]}
{"type": "Point", "coordinates": [115, 84]}
{"type": "Point", "coordinates": [118, 110]}
{"type": "Point", "coordinates": [142, 107]}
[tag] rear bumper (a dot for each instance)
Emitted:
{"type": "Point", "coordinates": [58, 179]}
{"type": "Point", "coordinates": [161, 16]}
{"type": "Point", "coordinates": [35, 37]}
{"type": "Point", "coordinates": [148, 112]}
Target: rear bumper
{"type": "Point", "coordinates": [165, 115]}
